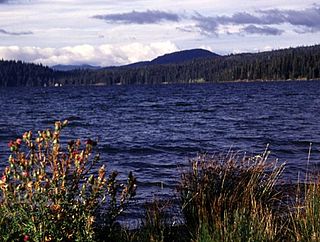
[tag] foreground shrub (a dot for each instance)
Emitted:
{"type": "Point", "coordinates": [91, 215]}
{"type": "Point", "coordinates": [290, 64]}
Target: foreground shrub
{"type": "Point", "coordinates": [228, 198]}
{"type": "Point", "coordinates": [50, 193]}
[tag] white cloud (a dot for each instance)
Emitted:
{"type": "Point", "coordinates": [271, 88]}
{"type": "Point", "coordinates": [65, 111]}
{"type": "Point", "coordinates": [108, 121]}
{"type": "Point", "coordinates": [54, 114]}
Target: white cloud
{"type": "Point", "coordinates": [73, 36]}
{"type": "Point", "coordinates": [137, 51]}
{"type": "Point", "coordinates": [103, 55]}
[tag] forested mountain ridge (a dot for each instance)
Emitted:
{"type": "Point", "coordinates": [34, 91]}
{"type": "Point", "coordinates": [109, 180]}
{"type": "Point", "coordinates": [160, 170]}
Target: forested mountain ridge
{"type": "Point", "coordinates": [171, 58]}
{"type": "Point", "coordinates": [183, 56]}
{"type": "Point", "coordinates": [177, 57]}
{"type": "Point", "coordinates": [293, 63]}
{"type": "Point", "coordinates": [74, 67]}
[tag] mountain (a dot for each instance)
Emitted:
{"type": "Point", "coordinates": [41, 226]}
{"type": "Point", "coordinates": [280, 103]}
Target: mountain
{"type": "Point", "coordinates": [183, 56]}
{"type": "Point", "coordinates": [171, 58]}
{"type": "Point", "coordinates": [175, 58]}
{"type": "Point", "coordinates": [136, 64]}
{"type": "Point", "coordinates": [75, 67]}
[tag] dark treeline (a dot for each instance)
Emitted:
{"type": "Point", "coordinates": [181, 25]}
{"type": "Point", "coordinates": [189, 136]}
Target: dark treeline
{"type": "Point", "coordinates": [293, 63]}
{"type": "Point", "coordinates": [18, 73]}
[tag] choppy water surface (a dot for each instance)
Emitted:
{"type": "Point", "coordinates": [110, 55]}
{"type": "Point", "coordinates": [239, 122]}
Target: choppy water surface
{"type": "Point", "coordinates": [155, 130]}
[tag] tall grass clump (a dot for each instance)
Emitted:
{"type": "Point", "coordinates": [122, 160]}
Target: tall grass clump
{"type": "Point", "coordinates": [305, 214]}
{"type": "Point", "coordinates": [53, 192]}
{"type": "Point", "coordinates": [161, 225]}
{"type": "Point", "coordinates": [232, 198]}
{"type": "Point", "coordinates": [156, 224]}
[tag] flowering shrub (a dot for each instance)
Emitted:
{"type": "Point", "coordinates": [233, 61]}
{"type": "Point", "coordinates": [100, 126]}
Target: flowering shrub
{"type": "Point", "coordinates": [50, 193]}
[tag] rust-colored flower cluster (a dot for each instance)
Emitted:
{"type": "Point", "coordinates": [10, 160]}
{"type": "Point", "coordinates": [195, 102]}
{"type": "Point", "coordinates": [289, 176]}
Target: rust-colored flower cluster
{"type": "Point", "coordinates": [57, 186]}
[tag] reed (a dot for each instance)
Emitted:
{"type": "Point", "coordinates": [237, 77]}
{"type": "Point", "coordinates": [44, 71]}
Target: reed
{"type": "Point", "coordinates": [232, 198]}
{"type": "Point", "coordinates": [305, 212]}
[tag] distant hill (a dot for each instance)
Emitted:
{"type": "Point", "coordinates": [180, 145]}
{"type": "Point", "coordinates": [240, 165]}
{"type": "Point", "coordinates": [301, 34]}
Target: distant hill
{"type": "Point", "coordinates": [75, 67]}
{"type": "Point", "coordinates": [183, 56]}
{"type": "Point", "coordinates": [175, 58]}
{"type": "Point", "coordinates": [136, 64]}
{"type": "Point", "coordinates": [171, 58]}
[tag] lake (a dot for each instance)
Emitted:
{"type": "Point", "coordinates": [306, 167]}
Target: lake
{"type": "Point", "coordinates": [155, 130]}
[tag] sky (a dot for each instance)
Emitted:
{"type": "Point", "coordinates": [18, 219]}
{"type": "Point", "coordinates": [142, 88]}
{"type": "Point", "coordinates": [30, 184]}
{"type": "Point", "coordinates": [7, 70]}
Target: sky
{"type": "Point", "coordinates": [117, 32]}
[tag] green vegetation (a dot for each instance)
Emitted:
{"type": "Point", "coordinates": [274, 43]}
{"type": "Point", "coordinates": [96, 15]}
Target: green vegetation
{"type": "Point", "coordinates": [305, 219]}
{"type": "Point", "coordinates": [227, 198]}
{"type": "Point", "coordinates": [301, 63]}
{"type": "Point", "coordinates": [53, 191]}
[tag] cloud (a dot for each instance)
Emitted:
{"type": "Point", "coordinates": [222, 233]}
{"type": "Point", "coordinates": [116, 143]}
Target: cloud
{"type": "Point", "coordinates": [261, 22]}
{"type": "Point", "coordinates": [102, 55]}
{"type": "Point", "coordinates": [239, 18]}
{"type": "Point", "coordinates": [265, 30]}
{"type": "Point", "coordinates": [206, 25]}
{"type": "Point", "coordinates": [3, 31]}
{"type": "Point", "coordinates": [12, 1]}
{"type": "Point", "coordinates": [273, 16]}
{"type": "Point", "coordinates": [308, 19]}
{"type": "Point", "coordinates": [134, 17]}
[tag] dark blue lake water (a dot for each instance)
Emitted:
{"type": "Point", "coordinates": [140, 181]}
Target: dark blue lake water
{"type": "Point", "coordinates": [155, 130]}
